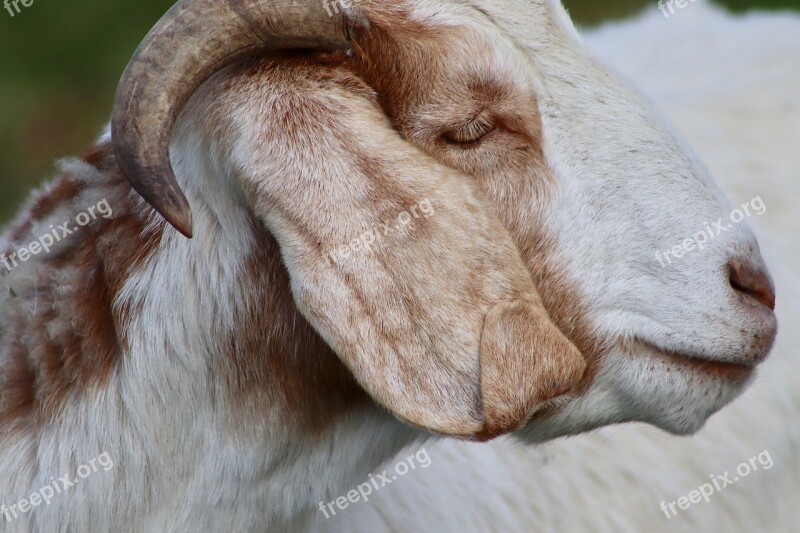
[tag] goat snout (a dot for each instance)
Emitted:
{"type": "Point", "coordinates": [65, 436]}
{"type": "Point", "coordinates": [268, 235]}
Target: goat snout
{"type": "Point", "coordinates": [754, 294]}
{"type": "Point", "coordinates": [751, 282]}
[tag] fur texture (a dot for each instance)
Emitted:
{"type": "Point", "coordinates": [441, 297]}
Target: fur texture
{"type": "Point", "coordinates": [228, 396]}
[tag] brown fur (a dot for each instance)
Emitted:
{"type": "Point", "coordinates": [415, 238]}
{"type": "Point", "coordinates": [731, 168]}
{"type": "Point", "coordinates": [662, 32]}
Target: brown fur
{"type": "Point", "coordinates": [71, 340]}
{"type": "Point", "coordinates": [277, 359]}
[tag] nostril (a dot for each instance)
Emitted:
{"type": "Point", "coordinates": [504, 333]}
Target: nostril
{"type": "Point", "coordinates": [752, 282]}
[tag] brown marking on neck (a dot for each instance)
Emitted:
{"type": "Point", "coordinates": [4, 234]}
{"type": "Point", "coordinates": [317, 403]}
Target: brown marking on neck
{"type": "Point", "coordinates": [63, 191]}
{"type": "Point", "coordinates": [275, 361]}
{"type": "Point", "coordinates": [73, 342]}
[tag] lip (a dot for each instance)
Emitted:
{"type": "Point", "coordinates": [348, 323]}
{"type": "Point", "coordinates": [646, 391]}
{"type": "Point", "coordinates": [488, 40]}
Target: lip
{"type": "Point", "coordinates": [733, 372]}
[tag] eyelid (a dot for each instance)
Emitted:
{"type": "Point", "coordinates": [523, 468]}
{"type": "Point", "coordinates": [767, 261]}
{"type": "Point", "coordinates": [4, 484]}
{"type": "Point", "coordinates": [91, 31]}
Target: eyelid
{"type": "Point", "coordinates": [473, 131]}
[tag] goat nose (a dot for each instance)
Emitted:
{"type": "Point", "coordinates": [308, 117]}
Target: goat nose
{"type": "Point", "coordinates": [751, 282]}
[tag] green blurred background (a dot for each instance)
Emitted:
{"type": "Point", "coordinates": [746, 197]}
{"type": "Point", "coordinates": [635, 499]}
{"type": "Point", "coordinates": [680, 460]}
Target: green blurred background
{"type": "Point", "coordinates": [60, 61]}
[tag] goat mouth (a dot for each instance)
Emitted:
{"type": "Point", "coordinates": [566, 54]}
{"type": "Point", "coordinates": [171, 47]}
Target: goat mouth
{"type": "Point", "coordinates": [738, 373]}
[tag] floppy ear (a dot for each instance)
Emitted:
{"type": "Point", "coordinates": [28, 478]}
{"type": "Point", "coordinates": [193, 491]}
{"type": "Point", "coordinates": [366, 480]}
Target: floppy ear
{"type": "Point", "coordinates": [396, 260]}
{"type": "Point", "coordinates": [438, 318]}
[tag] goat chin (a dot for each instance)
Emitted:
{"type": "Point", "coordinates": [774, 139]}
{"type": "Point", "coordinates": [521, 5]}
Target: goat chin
{"type": "Point", "coordinates": [615, 478]}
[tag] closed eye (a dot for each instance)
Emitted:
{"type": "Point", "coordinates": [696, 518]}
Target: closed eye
{"type": "Point", "coordinates": [472, 132]}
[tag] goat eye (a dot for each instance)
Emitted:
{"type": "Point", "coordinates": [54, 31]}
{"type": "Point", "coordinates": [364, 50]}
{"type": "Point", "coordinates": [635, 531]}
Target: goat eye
{"type": "Point", "coordinates": [471, 133]}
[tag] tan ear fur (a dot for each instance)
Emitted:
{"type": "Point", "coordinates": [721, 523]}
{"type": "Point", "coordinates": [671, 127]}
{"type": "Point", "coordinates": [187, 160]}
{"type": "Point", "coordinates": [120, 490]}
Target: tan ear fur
{"type": "Point", "coordinates": [435, 314]}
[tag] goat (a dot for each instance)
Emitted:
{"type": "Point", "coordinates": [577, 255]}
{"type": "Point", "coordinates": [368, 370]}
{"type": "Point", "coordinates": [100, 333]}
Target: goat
{"type": "Point", "coordinates": [616, 479]}
{"type": "Point", "coordinates": [239, 378]}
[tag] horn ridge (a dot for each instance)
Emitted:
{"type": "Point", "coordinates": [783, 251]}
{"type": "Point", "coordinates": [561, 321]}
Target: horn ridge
{"type": "Point", "coordinates": [191, 42]}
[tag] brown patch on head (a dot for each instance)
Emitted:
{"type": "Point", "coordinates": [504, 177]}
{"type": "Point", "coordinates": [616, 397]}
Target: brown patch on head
{"type": "Point", "coordinates": [411, 67]}
{"type": "Point", "coordinates": [433, 80]}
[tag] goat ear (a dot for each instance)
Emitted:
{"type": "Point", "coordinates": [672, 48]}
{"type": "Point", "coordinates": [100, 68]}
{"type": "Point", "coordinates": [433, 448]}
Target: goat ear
{"type": "Point", "coordinates": [400, 264]}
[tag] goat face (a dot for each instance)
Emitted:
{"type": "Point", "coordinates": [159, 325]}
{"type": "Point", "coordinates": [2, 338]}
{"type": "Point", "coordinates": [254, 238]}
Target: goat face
{"type": "Point", "coordinates": [492, 100]}
{"type": "Point", "coordinates": [597, 190]}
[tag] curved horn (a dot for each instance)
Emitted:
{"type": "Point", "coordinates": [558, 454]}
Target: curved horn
{"type": "Point", "coordinates": [193, 40]}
